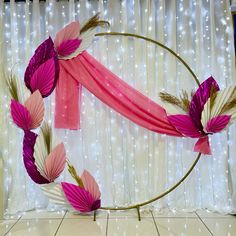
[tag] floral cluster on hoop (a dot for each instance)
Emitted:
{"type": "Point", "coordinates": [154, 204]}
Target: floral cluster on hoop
{"type": "Point", "coordinates": [43, 155]}
{"type": "Point", "coordinates": [209, 111]}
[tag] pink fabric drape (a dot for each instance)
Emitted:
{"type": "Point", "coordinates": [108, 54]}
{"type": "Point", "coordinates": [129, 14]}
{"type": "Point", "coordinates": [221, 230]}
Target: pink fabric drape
{"type": "Point", "coordinates": [85, 70]}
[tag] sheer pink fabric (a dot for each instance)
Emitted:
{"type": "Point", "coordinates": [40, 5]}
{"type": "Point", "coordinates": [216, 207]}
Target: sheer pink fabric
{"type": "Point", "coordinates": [85, 70]}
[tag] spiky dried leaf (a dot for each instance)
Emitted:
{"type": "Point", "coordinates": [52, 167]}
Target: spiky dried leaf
{"type": "Point", "coordinates": [228, 106]}
{"type": "Point", "coordinates": [93, 22]}
{"type": "Point", "coordinates": [74, 175]}
{"type": "Point", "coordinates": [47, 134]}
{"type": "Point", "coordinates": [185, 100]}
{"type": "Point", "coordinates": [213, 94]}
{"type": "Point", "coordinates": [182, 102]}
{"type": "Point", "coordinates": [11, 82]}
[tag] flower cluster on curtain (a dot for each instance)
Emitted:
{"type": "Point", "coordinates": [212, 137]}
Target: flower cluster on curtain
{"type": "Point", "coordinates": [130, 163]}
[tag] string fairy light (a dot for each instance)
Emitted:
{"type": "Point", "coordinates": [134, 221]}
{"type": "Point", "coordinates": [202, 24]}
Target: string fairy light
{"type": "Point", "coordinates": [121, 149]}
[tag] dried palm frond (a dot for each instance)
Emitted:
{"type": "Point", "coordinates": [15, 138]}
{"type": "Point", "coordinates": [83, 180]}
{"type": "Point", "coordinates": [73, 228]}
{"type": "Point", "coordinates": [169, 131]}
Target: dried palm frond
{"type": "Point", "coordinates": [74, 175]}
{"type": "Point", "coordinates": [228, 106]}
{"type": "Point", "coordinates": [47, 134]}
{"type": "Point", "coordinates": [11, 82]}
{"type": "Point", "coordinates": [182, 102]}
{"type": "Point", "coordinates": [166, 97]}
{"type": "Point", "coordinates": [213, 94]}
{"type": "Point", "coordinates": [185, 100]}
{"type": "Point", "coordinates": [93, 22]}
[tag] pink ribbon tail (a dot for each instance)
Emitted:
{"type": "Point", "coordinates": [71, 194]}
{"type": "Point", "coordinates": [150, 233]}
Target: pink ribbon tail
{"type": "Point", "coordinates": [68, 100]}
{"type": "Point", "coordinates": [203, 146]}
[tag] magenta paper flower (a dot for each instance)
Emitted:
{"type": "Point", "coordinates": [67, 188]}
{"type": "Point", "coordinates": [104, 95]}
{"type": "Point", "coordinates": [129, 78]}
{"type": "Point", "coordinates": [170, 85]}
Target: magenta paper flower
{"type": "Point", "coordinates": [30, 115]}
{"type": "Point", "coordinates": [43, 69]}
{"type": "Point", "coordinates": [42, 168]}
{"type": "Point", "coordinates": [69, 42]}
{"type": "Point", "coordinates": [84, 198]}
{"type": "Point", "coordinates": [207, 114]}
{"type": "Point", "coordinates": [28, 157]}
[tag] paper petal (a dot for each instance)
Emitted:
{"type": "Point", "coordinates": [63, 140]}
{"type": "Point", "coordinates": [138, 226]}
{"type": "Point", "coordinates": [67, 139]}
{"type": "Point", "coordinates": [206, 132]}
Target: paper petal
{"type": "Point", "coordinates": [203, 146]}
{"type": "Point", "coordinates": [35, 106]}
{"type": "Point", "coordinates": [55, 162]}
{"type": "Point", "coordinates": [20, 115]}
{"type": "Point", "coordinates": [90, 185]}
{"type": "Point", "coordinates": [86, 40]}
{"type": "Point", "coordinates": [41, 151]}
{"type": "Point", "coordinates": [184, 125]}
{"type": "Point", "coordinates": [44, 78]}
{"type": "Point", "coordinates": [70, 31]}
{"type": "Point", "coordinates": [43, 53]}
{"type": "Point", "coordinates": [67, 47]}
{"type": "Point", "coordinates": [55, 194]}
{"type": "Point", "coordinates": [222, 98]}
{"type": "Point", "coordinates": [79, 198]}
{"type": "Point", "coordinates": [199, 99]}
{"type": "Point", "coordinates": [29, 162]}
{"type": "Point", "coordinates": [217, 124]}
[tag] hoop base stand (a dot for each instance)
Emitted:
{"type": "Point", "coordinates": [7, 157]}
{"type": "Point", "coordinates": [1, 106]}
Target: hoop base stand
{"type": "Point", "coordinates": [137, 206]}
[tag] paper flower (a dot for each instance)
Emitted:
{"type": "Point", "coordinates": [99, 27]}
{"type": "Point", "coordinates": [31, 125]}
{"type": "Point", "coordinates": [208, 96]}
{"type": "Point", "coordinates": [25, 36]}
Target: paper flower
{"type": "Point", "coordinates": [72, 40]}
{"type": "Point", "coordinates": [43, 69]}
{"type": "Point", "coordinates": [30, 115]}
{"type": "Point", "coordinates": [208, 112]}
{"type": "Point", "coordinates": [42, 166]}
{"type": "Point", "coordinates": [83, 198]}
{"type": "Point", "coordinates": [28, 157]}
{"type": "Point", "coordinates": [50, 158]}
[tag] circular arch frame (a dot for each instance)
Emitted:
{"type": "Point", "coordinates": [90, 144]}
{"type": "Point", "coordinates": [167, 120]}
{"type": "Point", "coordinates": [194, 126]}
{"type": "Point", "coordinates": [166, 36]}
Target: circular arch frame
{"type": "Point", "coordinates": [138, 205]}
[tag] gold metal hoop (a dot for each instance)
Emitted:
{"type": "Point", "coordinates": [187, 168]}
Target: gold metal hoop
{"type": "Point", "coordinates": [138, 205]}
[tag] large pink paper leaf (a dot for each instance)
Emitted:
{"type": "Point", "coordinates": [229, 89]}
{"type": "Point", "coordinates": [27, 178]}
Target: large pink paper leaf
{"type": "Point", "coordinates": [20, 115]}
{"type": "Point", "coordinates": [203, 146]}
{"type": "Point", "coordinates": [43, 53]}
{"type": "Point", "coordinates": [28, 157]}
{"type": "Point", "coordinates": [90, 185]}
{"type": "Point", "coordinates": [43, 78]}
{"type": "Point", "coordinates": [199, 99]}
{"type": "Point", "coordinates": [70, 31]}
{"type": "Point", "coordinates": [80, 198]}
{"type": "Point", "coordinates": [185, 125]}
{"type": "Point", "coordinates": [55, 162]}
{"type": "Point", "coordinates": [67, 47]}
{"type": "Point", "coordinates": [217, 123]}
{"type": "Point", "coordinates": [35, 106]}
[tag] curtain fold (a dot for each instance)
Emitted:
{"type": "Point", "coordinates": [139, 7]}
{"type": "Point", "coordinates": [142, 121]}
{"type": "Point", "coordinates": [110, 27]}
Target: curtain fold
{"type": "Point", "coordinates": [130, 163]}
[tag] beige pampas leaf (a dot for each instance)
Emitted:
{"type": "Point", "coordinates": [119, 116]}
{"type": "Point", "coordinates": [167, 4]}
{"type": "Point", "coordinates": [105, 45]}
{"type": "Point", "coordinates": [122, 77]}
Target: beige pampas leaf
{"type": "Point", "coordinates": [74, 175]}
{"type": "Point", "coordinates": [11, 82]}
{"type": "Point", "coordinates": [183, 102]}
{"type": "Point", "coordinates": [93, 22]}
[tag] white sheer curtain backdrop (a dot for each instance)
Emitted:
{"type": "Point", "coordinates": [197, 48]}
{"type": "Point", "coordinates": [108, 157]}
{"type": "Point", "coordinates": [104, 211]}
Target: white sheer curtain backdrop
{"type": "Point", "coordinates": [130, 163]}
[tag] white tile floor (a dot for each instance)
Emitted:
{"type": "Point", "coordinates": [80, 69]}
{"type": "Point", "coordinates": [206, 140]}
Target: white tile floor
{"type": "Point", "coordinates": [125, 223]}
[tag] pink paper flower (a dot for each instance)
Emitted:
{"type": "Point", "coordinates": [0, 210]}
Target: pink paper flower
{"type": "Point", "coordinates": [30, 115]}
{"type": "Point", "coordinates": [84, 198]}
{"type": "Point", "coordinates": [203, 118]}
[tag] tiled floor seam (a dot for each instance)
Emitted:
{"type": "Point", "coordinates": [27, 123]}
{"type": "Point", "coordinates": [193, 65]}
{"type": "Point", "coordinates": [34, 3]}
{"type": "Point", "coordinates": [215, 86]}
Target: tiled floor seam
{"type": "Point", "coordinates": [107, 224]}
{"type": "Point", "coordinates": [13, 225]}
{"type": "Point", "coordinates": [204, 223]}
{"type": "Point", "coordinates": [60, 224]}
{"type": "Point", "coordinates": [154, 221]}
